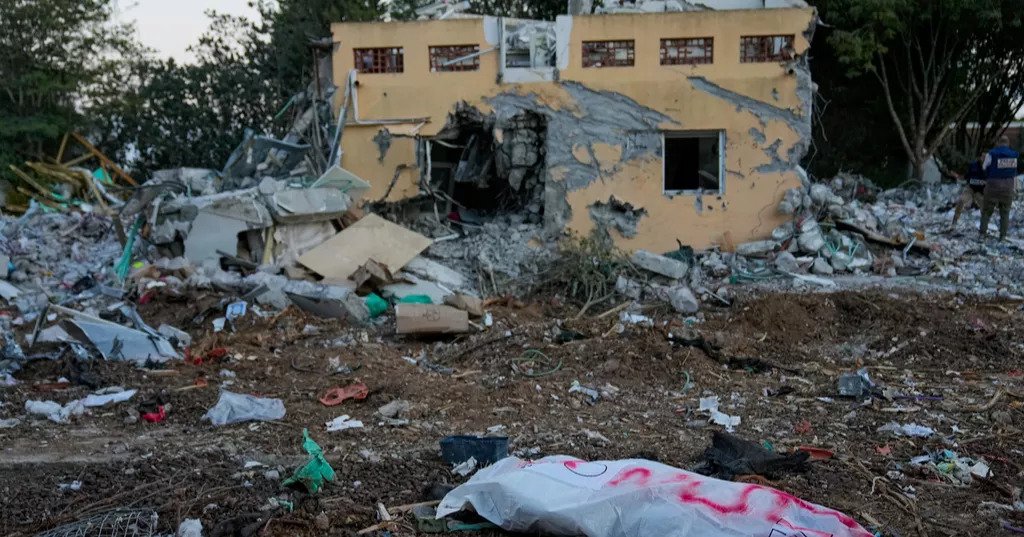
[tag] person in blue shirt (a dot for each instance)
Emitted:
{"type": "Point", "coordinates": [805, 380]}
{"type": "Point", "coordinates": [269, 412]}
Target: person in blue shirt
{"type": "Point", "coordinates": [973, 194]}
{"type": "Point", "coordinates": [1000, 186]}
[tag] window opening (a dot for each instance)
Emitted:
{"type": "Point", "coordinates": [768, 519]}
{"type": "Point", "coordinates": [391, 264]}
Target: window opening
{"type": "Point", "coordinates": [766, 48]}
{"type": "Point", "coordinates": [688, 51]}
{"type": "Point", "coordinates": [692, 161]}
{"type": "Point", "coordinates": [380, 60]}
{"type": "Point", "coordinates": [608, 53]}
{"type": "Point", "coordinates": [443, 58]}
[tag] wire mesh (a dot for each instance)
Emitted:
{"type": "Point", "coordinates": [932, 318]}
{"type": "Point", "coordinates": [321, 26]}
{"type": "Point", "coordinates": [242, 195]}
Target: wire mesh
{"type": "Point", "coordinates": [116, 523]}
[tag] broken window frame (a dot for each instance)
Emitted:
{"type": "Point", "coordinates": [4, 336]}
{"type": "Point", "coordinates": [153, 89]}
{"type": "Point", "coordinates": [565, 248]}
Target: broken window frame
{"type": "Point", "coordinates": [767, 48]}
{"type": "Point", "coordinates": [683, 46]}
{"type": "Point", "coordinates": [720, 135]}
{"type": "Point", "coordinates": [442, 58]}
{"type": "Point", "coordinates": [608, 51]}
{"type": "Point", "coordinates": [383, 60]}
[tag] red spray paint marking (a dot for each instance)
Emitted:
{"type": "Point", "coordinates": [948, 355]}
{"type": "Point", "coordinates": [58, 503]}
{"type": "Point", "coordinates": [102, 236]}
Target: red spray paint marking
{"type": "Point", "coordinates": [782, 500]}
{"type": "Point", "coordinates": [572, 465]}
{"type": "Point", "coordinates": [742, 505]}
{"type": "Point", "coordinates": [640, 477]}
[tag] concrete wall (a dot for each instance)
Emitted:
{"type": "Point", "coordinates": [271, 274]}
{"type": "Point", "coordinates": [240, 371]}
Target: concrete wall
{"type": "Point", "coordinates": [605, 125]}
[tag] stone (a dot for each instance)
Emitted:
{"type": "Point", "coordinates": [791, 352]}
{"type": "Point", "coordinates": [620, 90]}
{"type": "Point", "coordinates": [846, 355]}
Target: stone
{"type": "Point", "coordinates": [322, 522]}
{"type": "Point", "coordinates": [821, 266]}
{"type": "Point", "coordinates": [820, 194]}
{"type": "Point", "coordinates": [659, 264]}
{"type": "Point", "coordinates": [683, 300]}
{"type": "Point", "coordinates": [841, 261]}
{"type": "Point", "coordinates": [811, 241]}
{"type": "Point", "coordinates": [783, 232]}
{"type": "Point", "coordinates": [756, 248]}
{"type": "Point", "coordinates": [628, 288]}
{"type": "Point", "coordinates": [786, 262]}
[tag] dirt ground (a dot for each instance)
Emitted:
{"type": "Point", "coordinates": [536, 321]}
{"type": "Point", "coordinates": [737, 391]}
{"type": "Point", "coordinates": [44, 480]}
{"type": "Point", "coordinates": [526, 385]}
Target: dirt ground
{"type": "Point", "coordinates": [952, 363]}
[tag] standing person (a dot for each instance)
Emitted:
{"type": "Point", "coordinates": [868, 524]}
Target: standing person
{"type": "Point", "coordinates": [1001, 171]}
{"type": "Point", "coordinates": [974, 191]}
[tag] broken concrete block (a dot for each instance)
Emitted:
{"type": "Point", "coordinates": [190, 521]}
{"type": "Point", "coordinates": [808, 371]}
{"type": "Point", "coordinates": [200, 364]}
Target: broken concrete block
{"type": "Point", "coordinates": [821, 266]}
{"type": "Point", "coordinates": [786, 262]}
{"type": "Point", "coordinates": [791, 201]}
{"type": "Point", "coordinates": [470, 304]}
{"type": "Point", "coordinates": [820, 194]}
{"type": "Point", "coordinates": [783, 232]}
{"type": "Point", "coordinates": [683, 300]}
{"type": "Point", "coordinates": [841, 261]}
{"type": "Point", "coordinates": [810, 240]}
{"type": "Point", "coordinates": [628, 288]}
{"type": "Point", "coordinates": [430, 319]}
{"type": "Point", "coordinates": [756, 248]}
{"type": "Point", "coordinates": [659, 264]}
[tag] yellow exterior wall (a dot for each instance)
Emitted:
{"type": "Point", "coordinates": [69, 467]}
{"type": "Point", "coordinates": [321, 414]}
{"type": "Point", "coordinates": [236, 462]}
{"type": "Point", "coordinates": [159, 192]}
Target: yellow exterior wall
{"type": "Point", "coordinates": [746, 208]}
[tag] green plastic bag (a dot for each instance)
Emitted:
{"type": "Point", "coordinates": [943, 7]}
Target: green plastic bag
{"type": "Point", "coordinates": [375, 304]}
{"type": "Point", "coordinates": [316, 471]}
{"type": "Point", "coordinates": [415, 299]}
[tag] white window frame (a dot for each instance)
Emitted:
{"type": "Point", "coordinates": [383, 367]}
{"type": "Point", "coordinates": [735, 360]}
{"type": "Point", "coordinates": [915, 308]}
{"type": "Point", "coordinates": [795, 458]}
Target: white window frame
{"type": "Point", "coordinates": [665, 135]}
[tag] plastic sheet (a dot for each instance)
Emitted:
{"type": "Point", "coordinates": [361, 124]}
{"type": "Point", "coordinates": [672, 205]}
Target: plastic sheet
{"type": "Point", "coordinates": [236, 408]}
{"type": "Point", "coordinates": [562, 495]}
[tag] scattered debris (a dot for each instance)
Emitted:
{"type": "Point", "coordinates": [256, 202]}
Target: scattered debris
{"type": "Point", "coordinates": [236, 408]}
{"type": "Point", "coordinates": [316, 471]}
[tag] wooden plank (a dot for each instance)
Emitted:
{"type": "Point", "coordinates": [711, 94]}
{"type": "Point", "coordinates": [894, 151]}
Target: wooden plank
{"type": "Point", "coordinates": [371, 237]}
{"type": "Point", "coordinates": [103, 159]}
{"type": "Point", "coordinates": [63, 146]}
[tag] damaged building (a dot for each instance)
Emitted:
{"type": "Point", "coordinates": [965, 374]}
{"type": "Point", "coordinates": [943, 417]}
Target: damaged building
{"type": "Point", "coordinates": [651, 124]}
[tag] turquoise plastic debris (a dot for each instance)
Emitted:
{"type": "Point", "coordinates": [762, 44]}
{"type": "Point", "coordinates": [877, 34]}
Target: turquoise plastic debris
{"type": "Point", "coordinates": [315, 471]}
{"type": "Point", "coordinates": [375, 304]}
{"type": "Point", "coordinates": [415, 299]}
{"type": "Point", "coordinates": [125, 263]}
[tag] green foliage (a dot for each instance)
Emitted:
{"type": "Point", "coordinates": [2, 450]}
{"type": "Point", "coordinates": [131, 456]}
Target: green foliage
{"type": "Point", "coordinates": [937, 63]}
{"type": "Point", "coordinates": [539, 10]}
{"type": "Point", "coordinates": [56, 58]}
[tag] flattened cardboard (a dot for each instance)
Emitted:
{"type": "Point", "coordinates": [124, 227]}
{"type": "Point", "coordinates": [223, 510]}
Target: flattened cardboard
{"type": "Point", "coordinates": [430, 319]}
{"type": "Point", "coordinates": [371, 237]}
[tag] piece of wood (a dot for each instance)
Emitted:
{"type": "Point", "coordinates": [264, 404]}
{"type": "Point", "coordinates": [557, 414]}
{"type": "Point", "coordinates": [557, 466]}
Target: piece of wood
{"type": "Point", "coordinates": [371, 276]}
{"type": "Point", "coordinates": [103, 159]}
{"type": "Point", "coordinates": [430, 319]}
{"type": "Point", "coordinates": [470, 304]}
{"type": "Point", "coordinates": [919, 246]}
{"type": "Point", "coordinates": [63, 146]}
{"type": "Point", "coordinates": [371, 237]}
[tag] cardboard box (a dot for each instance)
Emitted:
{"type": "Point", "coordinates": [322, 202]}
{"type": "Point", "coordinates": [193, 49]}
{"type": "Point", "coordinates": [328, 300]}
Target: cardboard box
{"type": "Point", "coordinates": [430, 319]}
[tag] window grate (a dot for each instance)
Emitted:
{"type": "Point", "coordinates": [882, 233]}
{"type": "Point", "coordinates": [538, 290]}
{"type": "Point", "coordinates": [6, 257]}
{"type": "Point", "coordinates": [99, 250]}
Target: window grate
{"type": "Point", "coordinates": [766, 48]}
{"type": "Point", "coordinates": [441, 58]}
{"type": "Point", "coordinates": [380, 60]}
{"type": "Point", "coordinates": [608, 53]}
{"type": "Point", "coordinates": [687, 51]}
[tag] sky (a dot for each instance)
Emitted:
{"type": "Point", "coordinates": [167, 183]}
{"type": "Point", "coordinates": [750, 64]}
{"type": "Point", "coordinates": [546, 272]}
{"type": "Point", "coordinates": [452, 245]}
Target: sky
{"type": "Point", "coordinates": [170, 26]}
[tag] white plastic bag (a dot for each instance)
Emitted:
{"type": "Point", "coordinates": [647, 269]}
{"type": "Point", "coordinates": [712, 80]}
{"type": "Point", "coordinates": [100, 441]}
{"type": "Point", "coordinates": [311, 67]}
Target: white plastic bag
{"type": "Point", "coordinates": [563, 495]}
{"type": "Point", "coordinates": [235, 408]}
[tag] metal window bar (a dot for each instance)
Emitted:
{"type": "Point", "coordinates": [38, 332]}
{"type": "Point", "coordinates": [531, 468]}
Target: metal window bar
{"type": "Point", "coordinates": [687, 51]}
{"type": "Point", "coordinates": [455, 58]}
{"type": "Point", "coordinates": [608, 53]}
{"type": "Point", "coordinates": [380, 60]}
{"type": "Point", "coordinates": [766, 48]}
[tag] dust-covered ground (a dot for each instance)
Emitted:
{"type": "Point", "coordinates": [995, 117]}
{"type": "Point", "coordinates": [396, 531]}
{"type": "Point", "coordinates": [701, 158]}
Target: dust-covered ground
{"type": "Point", "coordinates": [950, 362]}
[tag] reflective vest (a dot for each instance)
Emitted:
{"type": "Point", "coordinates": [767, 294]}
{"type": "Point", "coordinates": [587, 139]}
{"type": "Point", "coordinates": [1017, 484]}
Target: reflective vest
{"type": "Point", "coordinates": [976, 174]}
{"type": "Point", "coordinates": [1003, 163]}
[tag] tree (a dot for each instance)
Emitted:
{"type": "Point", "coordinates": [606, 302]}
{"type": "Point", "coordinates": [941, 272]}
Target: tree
{"type": "Point", "coordinates": [56, 61]}
{"type": "Point", "coordinates": [932, 59]}
{"type": "Point", "coordinates": [525, 9]}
